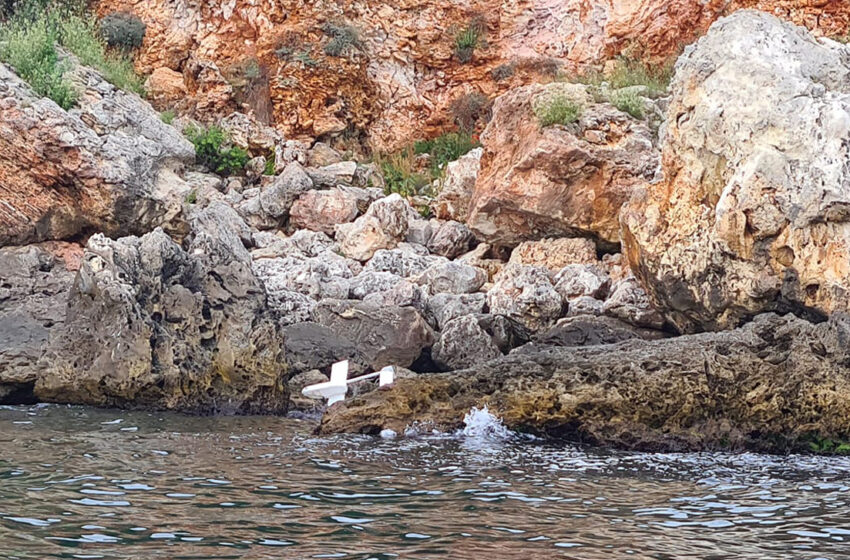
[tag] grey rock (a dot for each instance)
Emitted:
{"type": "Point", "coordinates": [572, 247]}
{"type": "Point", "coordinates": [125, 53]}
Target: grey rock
{"type": "Point", "coordinates": [34, 287]}
{"type": "Point", "coordinates": [592, 331]}
{"type": "Point", "coordinates": [326, 275]}
{"type": "Point", "coordinates": [402, 294]}
{"type": "Point", "coordinates": [321, 155]}
{"type": "Point", "coordinates": [629, 302]}
{"type": "Point", "coordinates": [384, 335]}
{"type": "Point", "coordinates": [419, 232]}
{"type": "Point", "coordinates": [463, 344]}
{"type": "Point", "coordinates": [442, 308]}
{"type": "Point", "coordinates": [371, 282]}
{"type": "Point", "coordinates": [526, 294]}
{"type": "Point", "coordinates": [383, 226]}
{"type": "Point", "coordinates": [312, 346]}
{"type": "Point", "coordinates": [340, 173]}
{"type": "Point", "coordinates": [452, 277]}
{"type": "Point", "coordinates": [406, 260]}
{"type": "Point", "coordinates": [576, 280]}
{"type": "Point", "coordinates": [150, 324]}
{"type": "Point", "coordinates": [451, 240]}
{"type": "Point", "coordinates": [584, 305]}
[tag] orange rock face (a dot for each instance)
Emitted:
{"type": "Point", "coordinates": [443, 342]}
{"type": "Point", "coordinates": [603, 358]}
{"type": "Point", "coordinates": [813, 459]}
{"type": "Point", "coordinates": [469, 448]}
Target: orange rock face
{"type": "Point", "coordinates": [396, 82]}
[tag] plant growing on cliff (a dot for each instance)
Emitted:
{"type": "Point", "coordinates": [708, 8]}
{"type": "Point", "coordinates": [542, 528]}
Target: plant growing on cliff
{"type": "Point", "coordinates": [559, 109]}
{"type": "Point", "coordinates": [467, 40]}
{"type": "Point", "coordinates": [446, 148]}
{"type": "Point", "coordinates": [343, 38]}
{"type": "Point", "coordinates": [81, 36]}
{"type": "Point", "coordinates": [122, 30]}
{"type": "Point", "coordinates": [470, 109]}
{"type": "Point", "coordinates": [629, 102]}
{"type": "Point", "coordinates": [168, 116]}
{"type": "Point", "coordinates": [29, 46]}
{"type": "Point", "coordinates": [629, 72]}
{"type": "Point", "coordinates": [214, 150]}
{"type": "Point", "coordinates": [401, 174]}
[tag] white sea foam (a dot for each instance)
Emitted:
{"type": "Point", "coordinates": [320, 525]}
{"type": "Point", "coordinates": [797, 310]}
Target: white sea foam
{"type": "Point", "coordinates": [480, 423]}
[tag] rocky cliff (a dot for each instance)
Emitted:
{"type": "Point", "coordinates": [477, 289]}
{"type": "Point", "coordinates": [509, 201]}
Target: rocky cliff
{"type": "Point", "coordinates": [389, 72]}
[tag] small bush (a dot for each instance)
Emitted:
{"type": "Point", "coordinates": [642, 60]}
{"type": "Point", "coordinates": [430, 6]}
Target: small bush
{"type": "Point", "coordinates": [306, 59]}
{"type": "Point", "coordinates": [401, 174]}
{"type": "Point", "coordinates": [557, 110]}
{"type": "Point", "coordinates": [628, 102]}
{"type": "Point", "coordinates": [79, 34]}
{"type": "Point", "coordinates": [214, 151]}
{"type": "Point", "coordinates": [467, 40]}
{"type": "Point", "coordinates": [271, 164]}
{"type": "Point", "coordinates": [29, 46]}
{"type": "Point", "coordinates": [167, 116]}
{"type": "Point", "coordinates": [343, 37]}
{"type": "Point", "coordinates": [503, 72]}
{"type": "Point", "coordinates": [469, 109]}
{"type": "Point", "coordinates": [630, 72]}
{"type": "Point", "coordinates": [446, 148]}
{"type": "Point", "coordinates": [122, 30]}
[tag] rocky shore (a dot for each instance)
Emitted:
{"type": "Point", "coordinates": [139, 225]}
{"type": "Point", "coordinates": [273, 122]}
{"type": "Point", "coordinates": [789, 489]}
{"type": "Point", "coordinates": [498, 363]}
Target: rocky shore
{"type": "Point", "coordinates": [658, 270]}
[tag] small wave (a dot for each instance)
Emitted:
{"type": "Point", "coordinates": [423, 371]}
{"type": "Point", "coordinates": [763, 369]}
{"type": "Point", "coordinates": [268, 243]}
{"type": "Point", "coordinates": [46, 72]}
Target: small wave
{"type": "Point", "coordinates": [481, 423]}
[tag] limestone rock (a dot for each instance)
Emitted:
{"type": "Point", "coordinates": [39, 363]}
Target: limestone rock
{"type": "Point", "coordinates": [341, 173]}
{"type": "Point", "coordinates": [526, 294]}
{"type": "Point", "coordinates": [383, 226]}
{"type": "Point", "coordinates": [453, 278]}
{"type": "Point", "coordinates": [311, 346]}
{"type": "Point", "coordinates": [326, 275]}
{"type": "Point", "coordinates": [165, 87]}
{"type": "Point", "coordinates": [406, 260]}
{"type": "Point", "coordinates": [34, 286]}
{"type": "Point", "coordinates": [443, 307]}
{"type": "Point", "coordinates": [401, 294]}
{"type": "Point", "coordinates": [554, 254]}
{"type": "Point", "coordinates": [590, 331]}
{"type": "Point", "coordinates": [464, 344]}
{"type": "Point", "coordinates": [371, 282]}
{"type": "Point", "coordinates": [560, 180]}
{"type": "Point", "coordinates": [270, 207]}
{"type": "Point", "coordinates": [452, 202]}
{"type": "Point", "coordinates": [767, 386]}
{"type": "Point", "coordinates": [451, 240]}
{"type": "Point", "coordinates": [106, 165]}
{"type": "Point", "coordinates": [384, 335]}
{"type": "Point", "coordinates": [323, 210]}
{"type": "Point", "coordinates": [753, 212]}
{"type": "Point", "coordinates": [152, 325]}
{"type": "Point", "coordinates": [629, 302]}
{"type": "Point", "coordinates": [578, 280]}
{"type": "Point", "coordinates": [321, 155]}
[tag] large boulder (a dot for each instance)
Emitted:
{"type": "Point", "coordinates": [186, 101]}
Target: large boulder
{"type": "Point", "coordinates": [452, 201]}
{"type": "Point", "coordinates": [526, 294]}
{"type": "Point", "coordinates": [559, 180]}
{"type": "Point", "coordinates": [383, 226]}
{"type": "Point", "coordinates": [34, 285]}
{"type": "Point", "coordinates": [323, 210]}
{"type": "Point", "coordinates": [753, 213]}
{"type": "Point", "coordinates": [384, 335]}
{"type": "Point", "coordinates": [150, 324]}
{"type": "Point", "coordinates": [770, 386]}
{"type": "Point", "coordinates": [106, 165]}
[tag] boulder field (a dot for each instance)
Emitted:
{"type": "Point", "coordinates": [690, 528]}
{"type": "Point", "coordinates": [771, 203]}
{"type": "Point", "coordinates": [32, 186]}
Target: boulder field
{"type": "Point", "coordinates": [668, 275]}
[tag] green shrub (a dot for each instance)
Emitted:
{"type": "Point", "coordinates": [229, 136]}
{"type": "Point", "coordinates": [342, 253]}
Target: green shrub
{"type": "Point", "coordinates": [214, 151]}
{"type": "Point", "coordinates": [192, 197]}
{"type": "Point", "coordinates": [557, 110]}
{"type": "Point", "coordinates": [469, 109]}
{"type": "Point", "coordinates": [343, 37]}
{"type": "Point", "coordinates": [446, 148]}
{"type": "Point", "coordinates": [167, 116]}
{"type": "Point", "coordinates": [271, 164]}
{"type": "Point", "coordinates": [306, 59]}
{"type": "Point", "coordinates": [401, 174]}
{"type": "Point", "coordinates": [630, 72]}
{"type": "Point", "coordinates": [123, 30]}
{"type": "Point", "coordinates": [29, 46]}
{"type": "Point", "coordinates": [80, 35]}
{"type": "Point", "coordinates": [467, 40]}
{"type": "Point", "coordinates": [628, 102]}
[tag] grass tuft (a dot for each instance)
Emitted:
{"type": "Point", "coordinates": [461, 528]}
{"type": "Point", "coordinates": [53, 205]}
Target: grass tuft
{"type": "Point", "coordinates": [214, 150]}
{"type": "Point", "coordinates": [629, 102]}
{"type": "Point", "coordinates": [557, 110]}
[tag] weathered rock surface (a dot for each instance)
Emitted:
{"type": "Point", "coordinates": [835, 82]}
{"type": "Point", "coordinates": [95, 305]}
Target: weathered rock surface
{"type": "Point", "coordinates": [589, 331]}
{"type": "Point", "coordinates": [452, 202]}
{"type": "Point", "coordinates": [526, 294]}
{"type": "Point", "coordinates": [34, 286]}
{"type": "Point", "coordinates": [106, 165]}
{"type": "Point", "coordinates": [383, 335]}
{"type": "Point", "coordinates": [151, 325]}
{"type": "Point", "coordinates": [559, 180]}
{"type": "Point", "coordinates": [767, 386]}
{"type": "Point", "coordinates": [452, 278]}
{"type": "Point", "coordinates": [312, 346]}
{"type": "Point", "coordinates": [754, 210]}
{"type": "Point", "coordinates": [323, 210]}
{"type": "Point", "coordinates": [269, 207]}
{"type": "Point", "coordinates": [464, 344]}
{"type": "Point", "coordinates": [442, 308]}
{"type": "Point", "coordinates": [554, 254]}
{"type": "Point", "coordinates": [383, 226]}
{"type": "Point", "coordinates": [401, 79]}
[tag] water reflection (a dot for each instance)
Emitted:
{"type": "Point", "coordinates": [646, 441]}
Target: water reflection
{"type": "Point", "coordinates": [86, 483]}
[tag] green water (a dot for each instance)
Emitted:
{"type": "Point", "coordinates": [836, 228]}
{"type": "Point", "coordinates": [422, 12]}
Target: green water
{"type": "Point", "coordinates": [88, 483]}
